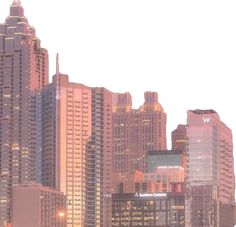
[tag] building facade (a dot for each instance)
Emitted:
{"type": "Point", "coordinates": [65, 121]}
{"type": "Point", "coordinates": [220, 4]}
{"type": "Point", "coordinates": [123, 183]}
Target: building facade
{"type": "Point", "coordinates": [165, 158]}
{"type": "Point", "coordinates": [135, 132]}
{"type": "Point", "coordinates": [99, 161]}
{"type": "Point", "coordinates": [66, 130]}
{"type": "Point", "coordinates": [134, 182]}
{"type": "Point", "coordinates": [163, 179]}
{"type": "Point", "coordinates": [38, 206]}
{"type": "Point", "coordinates": [148, 209]}
{"type": "Point", "coordinates": [210, 168]}
{"type": "Point", "coordinates": [23, 74]}
{"type": "Point", "coordinates": [150, 199]}
{"type": "Point", "coordinates": [179, 138]}
{"type": "Point", "coordinates": [179, 141]}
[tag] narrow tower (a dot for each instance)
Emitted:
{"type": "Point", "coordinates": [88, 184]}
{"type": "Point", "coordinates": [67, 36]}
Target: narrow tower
{"type": "Point", "coordinates": [66, 131]}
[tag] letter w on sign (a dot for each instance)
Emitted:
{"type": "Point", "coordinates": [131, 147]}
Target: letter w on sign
{"type": "Point", "coordinates": [206, 119]}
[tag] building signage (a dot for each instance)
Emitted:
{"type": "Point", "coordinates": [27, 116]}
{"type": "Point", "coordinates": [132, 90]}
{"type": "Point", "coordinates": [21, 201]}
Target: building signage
{"type": "Point", "coordinates": [156, 195]}
{"type": "Point", "coordinates": [206, 120]}
{"type": "Point", "coordinates": [169, 167]}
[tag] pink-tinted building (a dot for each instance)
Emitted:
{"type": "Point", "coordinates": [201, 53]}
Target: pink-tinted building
{"type": "Point", "coordinates": [210, 170]}
{"type": "Point", "coordinates": [38, 206]}
{"type": "Point", "coordinates": [23, 74]}
{"type": "Point", "coordinates": [99, 161]}
{"type": "Point", "coordinates": [162, 179]}
{"type": "Point", "coordinates": [136, 131]}
{"type": "Point", "coordinates": [76, 149]}
{"type": "Point", "coordinates": [134, 182]}
{"type": "Point", "coordinates": [179, 141]}
{"type": "Point", "coordinates": [67, 125]}
{"type": "Point", "coordinates": [168, 178]}
{"type": "Point", "coordinates": [179, 138]}
{"type": "Point", "coordinates": [140, 199]}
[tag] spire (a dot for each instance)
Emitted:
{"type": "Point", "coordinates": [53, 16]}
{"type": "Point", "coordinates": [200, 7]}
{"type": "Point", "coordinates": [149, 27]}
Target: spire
{"type": "Point", "coordinates": [57, 77]}
{"type": "Point", "coordinates": [16, 9]}
{"type": "Point", "coordinates": [16, 3]}
{"type": "Point", "coordinates": [57, 65]}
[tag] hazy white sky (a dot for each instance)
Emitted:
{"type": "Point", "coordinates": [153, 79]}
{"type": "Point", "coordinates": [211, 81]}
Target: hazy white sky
{"type": "Point", "coordinates": [184, 50]}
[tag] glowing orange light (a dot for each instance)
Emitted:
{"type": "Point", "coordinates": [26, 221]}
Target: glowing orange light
{"type": "Point", "coordinates": [61, 214]}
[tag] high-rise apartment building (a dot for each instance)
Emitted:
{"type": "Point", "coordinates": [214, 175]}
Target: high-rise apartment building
{"type": "Point", "coordinates": [136, 131]}
{"type": "Point", "coordinates": [23, 74]}
{"type": "Point", "coordinates": [210, 173]}
{"type": "Point", "coordinates": [38, 206]}
{"type": "Point", "coordinates": [99, 161]}
{"type": "Point", "coordinates": [66, 130]}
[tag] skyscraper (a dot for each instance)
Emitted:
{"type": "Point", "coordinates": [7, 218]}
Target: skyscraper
{"type": "Point", "coordinates": [23, 74]}
{"type": "Point", "coordinates": [135, 132]}
{"type": "Point", "coordinates": [66, 131]}
{"type": "Point", "coordinates": [210, 173]}
{"type": "Point", "coordinates": [99, 161]}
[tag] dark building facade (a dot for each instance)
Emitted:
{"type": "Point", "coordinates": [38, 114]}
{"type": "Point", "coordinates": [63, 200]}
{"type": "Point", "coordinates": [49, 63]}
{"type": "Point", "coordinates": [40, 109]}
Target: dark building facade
{"type": "Point", "coordinates": [203, 206]}
{"type": "Point", "coordinates": [99, 161]}
{"type": "Point", "coordinates": [148, 209]}
{"type": "Point", "coordinates": [165, 158]}
{"type": "Point", "coordinates": [179, 138]}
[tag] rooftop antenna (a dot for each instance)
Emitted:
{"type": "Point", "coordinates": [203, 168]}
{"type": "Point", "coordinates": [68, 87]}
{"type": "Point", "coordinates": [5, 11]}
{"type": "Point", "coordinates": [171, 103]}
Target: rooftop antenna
{"type": "Point", "coordinates": [57, 65]}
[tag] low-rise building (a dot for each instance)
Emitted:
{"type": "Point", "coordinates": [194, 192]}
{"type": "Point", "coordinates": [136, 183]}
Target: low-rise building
{"type": "Point", "coordinates": [148, 209]}
{"type": "Point", "coordinates": [38, 206]}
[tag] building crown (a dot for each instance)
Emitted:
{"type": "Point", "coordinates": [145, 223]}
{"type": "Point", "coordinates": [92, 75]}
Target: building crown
{"type": "Point", "coordinates": [16, 3]}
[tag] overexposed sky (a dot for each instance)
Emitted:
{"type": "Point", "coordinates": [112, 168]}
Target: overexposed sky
{"type": "Point", "coordinates": [184, 50]}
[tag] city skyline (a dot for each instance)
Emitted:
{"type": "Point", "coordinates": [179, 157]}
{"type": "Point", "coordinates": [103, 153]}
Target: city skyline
{"type": "Point", "coordinates": [155, 41]}
{"type": "Point", "coordinates": [71, 136]}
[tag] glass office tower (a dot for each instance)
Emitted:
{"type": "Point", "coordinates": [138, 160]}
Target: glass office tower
{"type": "Point", "coordinates": [210, 170]}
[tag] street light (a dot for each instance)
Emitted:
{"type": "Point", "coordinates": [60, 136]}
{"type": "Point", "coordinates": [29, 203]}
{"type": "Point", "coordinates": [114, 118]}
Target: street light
{"type": "Point", "coordinates": [61, 215]}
